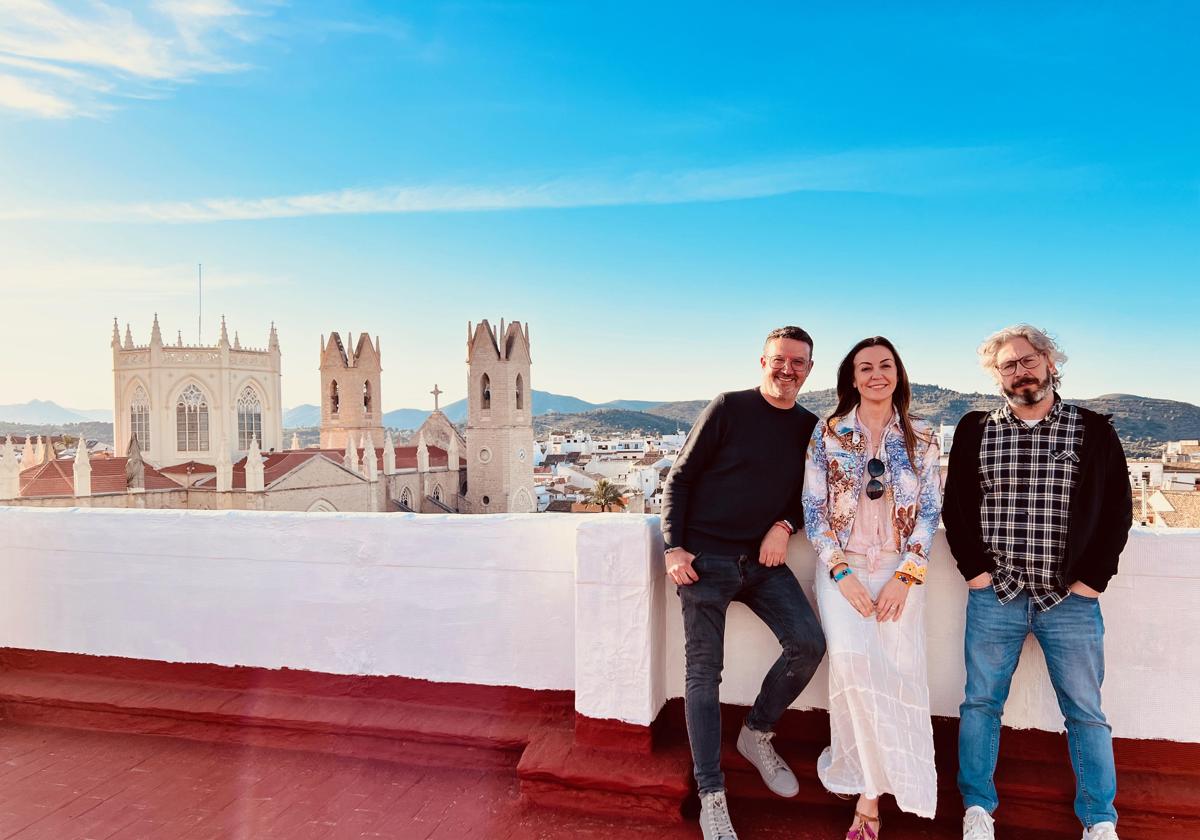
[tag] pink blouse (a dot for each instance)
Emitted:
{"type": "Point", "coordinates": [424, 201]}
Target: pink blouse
{"type": "Point", "coordinates": [872, 529]}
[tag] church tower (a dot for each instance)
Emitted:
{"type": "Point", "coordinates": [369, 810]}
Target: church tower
{"type": "Point", "coordinates": [350, 395]}
{"type": "Point", "coordinates": [499, 420]}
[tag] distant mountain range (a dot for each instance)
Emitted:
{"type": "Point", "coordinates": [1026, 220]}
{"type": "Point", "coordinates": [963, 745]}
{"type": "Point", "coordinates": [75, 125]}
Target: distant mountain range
{"type": "Point", "coordinates": [40, 412]}
{"type": "Point", "coordinates": [1142, 422]}
{"type": "Point", "coordinates": [303, 416]}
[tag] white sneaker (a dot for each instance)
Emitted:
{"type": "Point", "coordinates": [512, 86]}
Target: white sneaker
{"type": "Point", "coordinates": [1101, 831]}
{"type": "Point", "coordinates": [714, 817]}
{"type": "Point", "coordinates": [978, 824]}
{"type": "Point", "coordinates": [757, 749]}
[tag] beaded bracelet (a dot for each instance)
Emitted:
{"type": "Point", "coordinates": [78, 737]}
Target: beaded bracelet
{"type": "Point", "coordinates": [907, 580]}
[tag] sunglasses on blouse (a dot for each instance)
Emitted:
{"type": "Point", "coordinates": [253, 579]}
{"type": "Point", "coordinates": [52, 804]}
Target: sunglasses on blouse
{"type": "Point", "coordinates": [875, 487]}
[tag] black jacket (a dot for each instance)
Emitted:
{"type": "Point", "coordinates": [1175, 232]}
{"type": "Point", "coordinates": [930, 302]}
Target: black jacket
{"type": "Point", "coordinates": [1101, 503]}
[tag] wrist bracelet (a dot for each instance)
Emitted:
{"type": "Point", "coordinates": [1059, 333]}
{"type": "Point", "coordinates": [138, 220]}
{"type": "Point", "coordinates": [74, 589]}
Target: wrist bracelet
{"type": "Point", "coordinates": [907, 580]}
{"type": "Point", "coordinates": [846, 572]}
{"type": "Point", "coordinates": [782, 523]}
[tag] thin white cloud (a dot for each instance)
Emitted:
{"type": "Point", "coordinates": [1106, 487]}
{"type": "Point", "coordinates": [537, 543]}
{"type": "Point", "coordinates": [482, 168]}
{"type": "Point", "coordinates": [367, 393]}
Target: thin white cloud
{"type": "Point", "coordinates": [71, 56]}
{"type": "Point", "coordinates": [911, 171]}
{"type": "Point", "coordinates": [22, 95]}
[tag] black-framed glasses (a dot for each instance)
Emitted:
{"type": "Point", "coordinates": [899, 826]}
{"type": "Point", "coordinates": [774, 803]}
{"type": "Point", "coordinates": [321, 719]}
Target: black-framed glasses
{"type": "Point", "coordinates": [875, 487]}
{"type": "Point", "coordinates": [1028, 362]}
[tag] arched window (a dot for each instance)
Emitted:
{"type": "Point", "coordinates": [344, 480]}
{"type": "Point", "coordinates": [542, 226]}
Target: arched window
{"type": "Point", "coordinates": [485, 391]}
{"type": "Point", "coordinates": [406, 499]}
{"type": "Point", "coordinates": [191, 421]}
{"type": "Point", "coordinates": [139, 418]}
{"type": "Point", "coordinates": [522, 503]}
{"type": "Point", "coordinates": [333, 397]}
{"type": "Point", "coordinates": [520, 392]}
{"type": "Point", "coordinates": [437, 493]}
{"type": "Point", "coordinates": [249, 414]}
{"type": "Point", "coordinates": [367, 397]}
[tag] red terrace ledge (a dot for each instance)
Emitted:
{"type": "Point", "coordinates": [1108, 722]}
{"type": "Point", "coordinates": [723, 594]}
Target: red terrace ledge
{"type": "Point", "coordinates": [560, 760]}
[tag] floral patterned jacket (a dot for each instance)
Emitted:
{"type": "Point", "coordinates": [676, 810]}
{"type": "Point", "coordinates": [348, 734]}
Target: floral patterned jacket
{"type": "Point", "coordinates": [833, 476]}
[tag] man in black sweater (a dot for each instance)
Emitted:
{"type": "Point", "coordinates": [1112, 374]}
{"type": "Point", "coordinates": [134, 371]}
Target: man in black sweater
{"type": "Point", "coordinates": [730, 503]}
{"type": "Point", "coordinates": [1037, 510]}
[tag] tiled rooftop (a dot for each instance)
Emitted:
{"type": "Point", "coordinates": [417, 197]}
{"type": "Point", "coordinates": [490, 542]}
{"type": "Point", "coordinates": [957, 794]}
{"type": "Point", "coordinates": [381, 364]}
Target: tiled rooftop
{"type": "Point", "coordinates": [62, 784]}
{"type": "Point", "coordinates": [57, 478]}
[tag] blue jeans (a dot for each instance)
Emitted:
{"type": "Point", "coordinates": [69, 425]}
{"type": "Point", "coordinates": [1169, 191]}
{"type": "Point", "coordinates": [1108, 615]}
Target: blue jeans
{"type": "Point", "coordinates": [774, 595]}
{"type": "Point", "coordinates": [1071, 634]}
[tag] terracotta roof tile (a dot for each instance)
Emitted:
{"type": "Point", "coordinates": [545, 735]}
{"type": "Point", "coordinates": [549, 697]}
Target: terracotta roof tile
{"type": "Point", "coordinates": [57, 478]}
{"type": "Point", "coordinates": [188, 466]}
{"type": "Point", "coordinates": [1187, 509]}
{"type": "Point", "coordinates": [278, 464]}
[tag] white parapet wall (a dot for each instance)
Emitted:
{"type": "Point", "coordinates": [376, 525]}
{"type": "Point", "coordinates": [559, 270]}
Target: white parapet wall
{"type": "Point", "coordinates": [476, 599]}
{"type": "Point", "coordinates": [1152, 649]}
{"type": "Point", "coordinates": [541, 601]}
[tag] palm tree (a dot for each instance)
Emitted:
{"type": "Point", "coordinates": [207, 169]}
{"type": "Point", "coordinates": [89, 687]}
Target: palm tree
{"type": "Point", "coordinates": [606, 494]}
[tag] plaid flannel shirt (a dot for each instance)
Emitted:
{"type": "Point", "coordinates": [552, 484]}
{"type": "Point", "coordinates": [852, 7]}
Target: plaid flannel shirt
{"type": "Point", "coordinates": [1027, 475]}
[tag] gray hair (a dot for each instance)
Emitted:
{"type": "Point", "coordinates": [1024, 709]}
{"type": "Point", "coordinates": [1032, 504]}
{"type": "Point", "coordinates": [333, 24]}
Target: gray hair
{"type": "Point", "coordinates": [1041, 341]}
{"type": "Point", "coordinates": [794, 333]}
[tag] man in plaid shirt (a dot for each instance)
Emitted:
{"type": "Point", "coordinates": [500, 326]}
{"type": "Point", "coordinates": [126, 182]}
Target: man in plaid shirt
{"type": "Point", "coordinates": [1037, 509]}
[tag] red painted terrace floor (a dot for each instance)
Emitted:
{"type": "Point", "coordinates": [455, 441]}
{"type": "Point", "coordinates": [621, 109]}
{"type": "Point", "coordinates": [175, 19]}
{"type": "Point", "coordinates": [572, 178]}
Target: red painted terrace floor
{"type": "Point", "coordinates": [64, 784]}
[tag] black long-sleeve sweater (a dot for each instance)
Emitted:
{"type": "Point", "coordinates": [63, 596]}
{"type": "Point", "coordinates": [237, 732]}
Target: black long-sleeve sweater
{"type": "Point", "coordinates": [740, 471]}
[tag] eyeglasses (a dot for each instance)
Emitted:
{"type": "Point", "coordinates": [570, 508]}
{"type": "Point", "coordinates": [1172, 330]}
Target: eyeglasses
{"type": "Point", "coordinates": [875, 487]}
{"type": "Point", "coordinates": [780, 362]}
{"type": "Point", "coordinates": [1028, 362]}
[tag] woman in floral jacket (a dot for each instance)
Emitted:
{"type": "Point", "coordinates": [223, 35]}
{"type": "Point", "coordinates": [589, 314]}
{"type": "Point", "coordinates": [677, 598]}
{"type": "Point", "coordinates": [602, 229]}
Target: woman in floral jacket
{"type": "Point", "coordinates": [872, 499]}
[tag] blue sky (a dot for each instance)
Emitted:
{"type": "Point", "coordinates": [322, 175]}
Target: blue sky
{"type": "Point", "coordinates": [653, 187]}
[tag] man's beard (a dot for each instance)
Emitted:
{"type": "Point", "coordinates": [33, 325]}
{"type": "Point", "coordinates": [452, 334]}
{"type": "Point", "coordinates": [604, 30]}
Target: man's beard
{"type": "Point", "coordinates": [1027, 398]}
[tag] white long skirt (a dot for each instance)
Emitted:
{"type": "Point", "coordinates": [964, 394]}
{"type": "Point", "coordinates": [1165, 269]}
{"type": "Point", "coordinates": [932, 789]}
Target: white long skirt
{"type": "Point", "coordinates": [882, 738]}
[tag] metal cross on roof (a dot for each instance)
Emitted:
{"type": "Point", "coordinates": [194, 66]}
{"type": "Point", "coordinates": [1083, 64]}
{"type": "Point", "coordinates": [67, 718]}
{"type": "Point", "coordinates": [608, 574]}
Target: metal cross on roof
{"type": "Point", "coordinates": [437, 392]}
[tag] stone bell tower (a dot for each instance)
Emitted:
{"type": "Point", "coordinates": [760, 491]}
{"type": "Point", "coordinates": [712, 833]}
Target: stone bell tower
{"type": "Point", "coordinates": [499, 420]}
{"type": "Point", "coordinates": [350, 396]}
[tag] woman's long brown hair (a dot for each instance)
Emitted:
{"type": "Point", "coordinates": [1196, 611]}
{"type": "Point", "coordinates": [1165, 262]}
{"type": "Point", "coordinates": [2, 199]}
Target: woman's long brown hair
{"type": "Point", "coordinates": [849, 398]}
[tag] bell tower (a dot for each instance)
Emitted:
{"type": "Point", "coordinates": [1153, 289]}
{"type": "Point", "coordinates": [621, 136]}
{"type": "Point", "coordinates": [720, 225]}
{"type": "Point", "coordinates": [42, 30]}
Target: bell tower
{"type": "Point", "coordinates": [499, 420]}
{"type": "Point", "coordinates": [350, 395]}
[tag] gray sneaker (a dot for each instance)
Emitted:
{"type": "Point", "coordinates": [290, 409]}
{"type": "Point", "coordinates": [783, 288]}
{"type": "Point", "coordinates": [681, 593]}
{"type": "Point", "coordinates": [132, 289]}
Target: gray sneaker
{"type": "Point", "coordinates": [714, 817]}
{"type": "Point", "coordinates": [757, 749]}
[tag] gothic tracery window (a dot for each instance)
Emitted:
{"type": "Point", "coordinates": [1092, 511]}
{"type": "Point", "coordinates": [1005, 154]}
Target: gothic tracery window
{"type": "Point", "coordinates": [406, 499]}
{"type": "Point", "coordinates": [437, 493]}
{"type": "Point", "coordinates": [191, 421]}
{"type": "Point", "coordinates": [139, 418]}
{"type": "Point", "coordinates": [249, 414]}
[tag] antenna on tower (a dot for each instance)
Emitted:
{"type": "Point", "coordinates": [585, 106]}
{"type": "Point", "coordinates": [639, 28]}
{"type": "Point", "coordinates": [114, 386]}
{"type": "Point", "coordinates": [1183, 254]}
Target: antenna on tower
{"type": "Point", "coordinates": [200, 308]}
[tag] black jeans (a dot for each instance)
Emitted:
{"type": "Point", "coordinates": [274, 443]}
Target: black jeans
{"type": "Point", "coordinates": [774, 595]}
